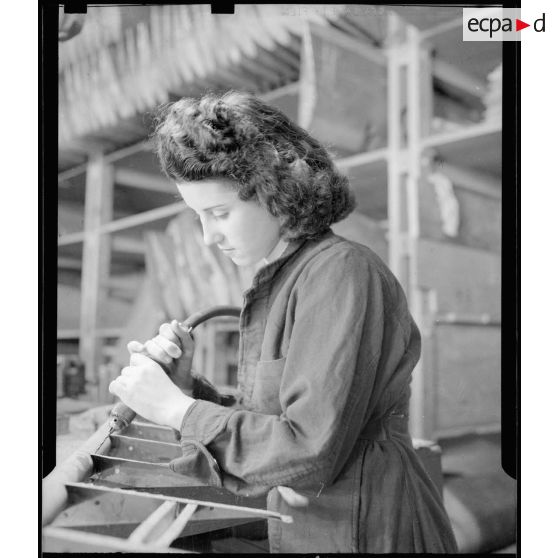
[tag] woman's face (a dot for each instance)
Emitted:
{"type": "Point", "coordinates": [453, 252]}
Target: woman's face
{"type": "Point", "coordinates": [244, 230]}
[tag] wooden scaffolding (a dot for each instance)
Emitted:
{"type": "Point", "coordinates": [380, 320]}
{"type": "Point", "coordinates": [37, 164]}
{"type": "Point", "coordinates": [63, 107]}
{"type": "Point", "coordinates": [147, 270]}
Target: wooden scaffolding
{"type": "Point", "coordinates": [403, 104]}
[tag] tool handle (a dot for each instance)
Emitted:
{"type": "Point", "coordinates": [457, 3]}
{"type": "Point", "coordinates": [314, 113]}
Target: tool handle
{"type": "Point", "coordinates": [184, 378]}
{"type": "Point", "coordinates": [121, 415]}
{"type": "Point", "coordinates": [203, 315]}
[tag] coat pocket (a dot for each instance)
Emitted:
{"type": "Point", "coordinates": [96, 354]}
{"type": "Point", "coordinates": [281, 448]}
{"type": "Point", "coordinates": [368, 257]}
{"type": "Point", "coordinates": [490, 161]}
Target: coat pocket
{"type": "Point", "coordinates": [265, 397]}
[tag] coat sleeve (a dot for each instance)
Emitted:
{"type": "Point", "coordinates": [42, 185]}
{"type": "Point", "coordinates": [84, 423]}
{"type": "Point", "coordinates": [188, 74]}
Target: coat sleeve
{"type": "Point", "coordinates": [205, 390]}
{"type": "Point", "coordinates": [325, 390]}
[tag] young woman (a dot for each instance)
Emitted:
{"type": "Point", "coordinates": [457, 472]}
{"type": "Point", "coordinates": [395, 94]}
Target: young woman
{"type": "Point", "coordinates": [327, 344]}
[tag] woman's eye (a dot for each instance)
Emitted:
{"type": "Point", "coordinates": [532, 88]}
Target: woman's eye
{"type": "Point", "coordinates": [221, 214]}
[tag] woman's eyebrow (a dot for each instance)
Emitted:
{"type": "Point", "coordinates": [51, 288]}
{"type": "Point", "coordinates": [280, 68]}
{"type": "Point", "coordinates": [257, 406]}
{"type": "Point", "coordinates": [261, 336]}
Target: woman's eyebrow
{"type": "Point", "coordinates": [214, 207]}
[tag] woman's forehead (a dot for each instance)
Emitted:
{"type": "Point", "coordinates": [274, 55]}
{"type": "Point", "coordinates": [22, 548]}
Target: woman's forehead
{"type": "Point", "coordinates": [203, 194]}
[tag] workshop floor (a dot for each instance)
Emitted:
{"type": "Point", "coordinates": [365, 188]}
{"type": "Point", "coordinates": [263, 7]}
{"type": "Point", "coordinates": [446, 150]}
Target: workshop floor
{"type": "Point", "coordinates": [479, 496]}
{"type": "Point", "coordinates": [471, 455]}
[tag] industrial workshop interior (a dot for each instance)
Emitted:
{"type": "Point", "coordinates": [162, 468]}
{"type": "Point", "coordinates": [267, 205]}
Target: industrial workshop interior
{"type": "Point", "coordinates": [410, 113]}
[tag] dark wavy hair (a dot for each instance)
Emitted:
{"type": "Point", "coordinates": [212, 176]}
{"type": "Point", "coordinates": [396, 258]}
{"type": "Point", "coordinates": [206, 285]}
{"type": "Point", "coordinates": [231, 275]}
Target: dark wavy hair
{"type": "Point", "coordinates": [267, 156]}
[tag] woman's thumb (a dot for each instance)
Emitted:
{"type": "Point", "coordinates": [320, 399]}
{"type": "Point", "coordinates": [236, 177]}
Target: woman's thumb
{"type": "Point", "coordinates": [135, 347]}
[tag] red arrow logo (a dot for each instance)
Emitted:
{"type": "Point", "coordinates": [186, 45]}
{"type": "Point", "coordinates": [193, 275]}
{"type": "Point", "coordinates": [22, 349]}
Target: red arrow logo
{"type": "Point", "coordinates": [519, 25]}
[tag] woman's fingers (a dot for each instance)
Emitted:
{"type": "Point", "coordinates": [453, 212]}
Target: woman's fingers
{"type": "Point", "coordinates": [127, 371]}
{"type": "Point", "coordinates": [135, 347]}
{"type": "Point", "coordinates": [292, 498]}
{"type": "Point", "coordinates": [168, 346]}
{"type": "Point", "coordinates": [157, 352]}
{"type": "Point", "coordinates": [166, 331]}
{"type": "Point", "coordinates": [118, 385]}
{"type": "Point", "coordinates": [186, 341]}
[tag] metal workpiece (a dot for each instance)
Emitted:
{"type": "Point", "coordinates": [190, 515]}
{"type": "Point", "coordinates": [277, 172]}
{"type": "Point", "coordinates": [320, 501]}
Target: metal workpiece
{"type": "Point", "coordinates": [150, 431]}
{"type": "Point", "coordinates": [118, 512]}
{"type": "Point", "coordinates": [117, 493]}
{"type": "Point", "coordinates": [143, 450]}
{"type": "Point", "coordinates": [134, 473]}
{"type": "Point", "coordinates": [57, 539]}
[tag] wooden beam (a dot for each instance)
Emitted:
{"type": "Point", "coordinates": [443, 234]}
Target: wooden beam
{"type": "Point", "coordinates": [99, 333]}
{"type": "Point", "coordinates": [353, 30]}
{"type": "Point", "coordinates": [452, 75]}
{"type": "Point", "coordinates": [144, 180]}
{"type": "Point", "coordinates": [362, 159]}
{"type": "Point", "coordinates": [427, 90]}
{"type": "Point", "coordinates": [452, 318]}
{"type": "Point", "coordinates": [471, 132]}
{"type": "Point", "coordinates": [441, 28]}
{"type": "Point", "coordinates": [350, 43]}
{"type": "Point", "coordinates": [128, 244]}
{"type": "Point", "coordinates": [129, 281]}
{"type": "Point", "coordinates": [71, 238]}
{"type": "Point", "coordinates": [176, 528]}
{"type": "Point", "coordinates": [415, 86]}
{"type": "Point", "coordinates": [139, 147]}
{"type": "Point", "coordinates": [72, 173]}
{"type": "Point", "coordinates": [144, 217]}
{"type": "Point", "coordinates": [395, 212]}
{"type": "Point", "coordinates": [96, 260]}
{"type": "Point", "coordinates": [474, 181]}
{"type": "Point", "coordinates": [143, 145]}
{"type": "Point", "coordinates": [161, 518]}
{"type": "Point", "coordinates": [289, 89]}
{"type": "Point", "coordinates": [69, 263]}
{"type": "Point", "coordinates": [121, 244]}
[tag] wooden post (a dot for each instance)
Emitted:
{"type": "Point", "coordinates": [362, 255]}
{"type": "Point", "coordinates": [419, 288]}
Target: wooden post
{"type": "Point", "coordinates": [396, 249]}
{"type": "Point", "coordinates": [95, 260]}
{"type": "Point", "coordinates": [415, 295]}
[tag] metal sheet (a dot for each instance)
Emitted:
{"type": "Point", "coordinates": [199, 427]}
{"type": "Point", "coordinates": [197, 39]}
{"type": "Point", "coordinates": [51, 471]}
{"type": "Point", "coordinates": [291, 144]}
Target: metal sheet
{"type": "Point", "coordinates": [117, 513]}
{"type": "Point", "coordinates": [138, 449]}
{"type": "Point", "coordinates": [66, 540]}
{"type": "Point", "coordinates": [147, 431]}
{"type": "Point", "coordinates": [136, 474]}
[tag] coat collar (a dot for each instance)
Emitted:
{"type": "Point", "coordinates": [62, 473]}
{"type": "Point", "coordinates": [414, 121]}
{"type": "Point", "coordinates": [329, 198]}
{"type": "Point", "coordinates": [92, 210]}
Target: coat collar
{"type": "Point", "coordinates": [268, 272]}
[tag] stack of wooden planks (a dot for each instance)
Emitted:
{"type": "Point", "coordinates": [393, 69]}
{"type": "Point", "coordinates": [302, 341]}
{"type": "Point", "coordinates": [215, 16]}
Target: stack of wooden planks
{"type": "Point", "coordinates": [117, 70]}
{"type": "Point", "coordinates": [184, 276]}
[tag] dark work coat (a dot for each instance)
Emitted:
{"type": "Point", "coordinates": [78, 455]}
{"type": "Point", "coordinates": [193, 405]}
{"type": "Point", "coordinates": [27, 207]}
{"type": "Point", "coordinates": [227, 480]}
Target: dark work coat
{"type": "Point", "coordinates": [327, 347]}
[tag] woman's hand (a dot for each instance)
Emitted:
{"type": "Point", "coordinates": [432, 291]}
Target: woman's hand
{"type": "Point", "coordinates": [173, 348]}
{"type": "Point", "coordinates": [146, 389]}
{"type": "Point", "coordinates": [292, 498]}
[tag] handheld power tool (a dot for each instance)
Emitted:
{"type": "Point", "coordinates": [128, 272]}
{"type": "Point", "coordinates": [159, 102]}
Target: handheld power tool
{"type": "Point", "coordinates": [121, 415]}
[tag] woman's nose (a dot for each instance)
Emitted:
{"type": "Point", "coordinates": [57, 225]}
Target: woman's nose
{"type": "Point", "coordinates": [210, 235]}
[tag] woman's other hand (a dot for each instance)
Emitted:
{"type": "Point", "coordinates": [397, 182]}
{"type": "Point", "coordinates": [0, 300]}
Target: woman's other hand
{"type": "Point", "coordinates": [144, 387]}
{"type": "Point", "coordinates": [173, 349]}
{"type": "Point", "coordinates": [291, 497]}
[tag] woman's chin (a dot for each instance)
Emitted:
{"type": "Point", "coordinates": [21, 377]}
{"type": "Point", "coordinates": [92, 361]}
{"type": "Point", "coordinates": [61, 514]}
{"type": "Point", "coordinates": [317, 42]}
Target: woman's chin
{"type": "Point", "coordinates": [238, 259]}
{"type": "Point", "coordinates": [242, 261]}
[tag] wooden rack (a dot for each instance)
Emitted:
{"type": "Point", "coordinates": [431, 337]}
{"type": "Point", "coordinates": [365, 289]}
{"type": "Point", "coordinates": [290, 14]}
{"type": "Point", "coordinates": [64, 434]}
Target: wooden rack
{"type": "Point", "coordinates": [456, 385]}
